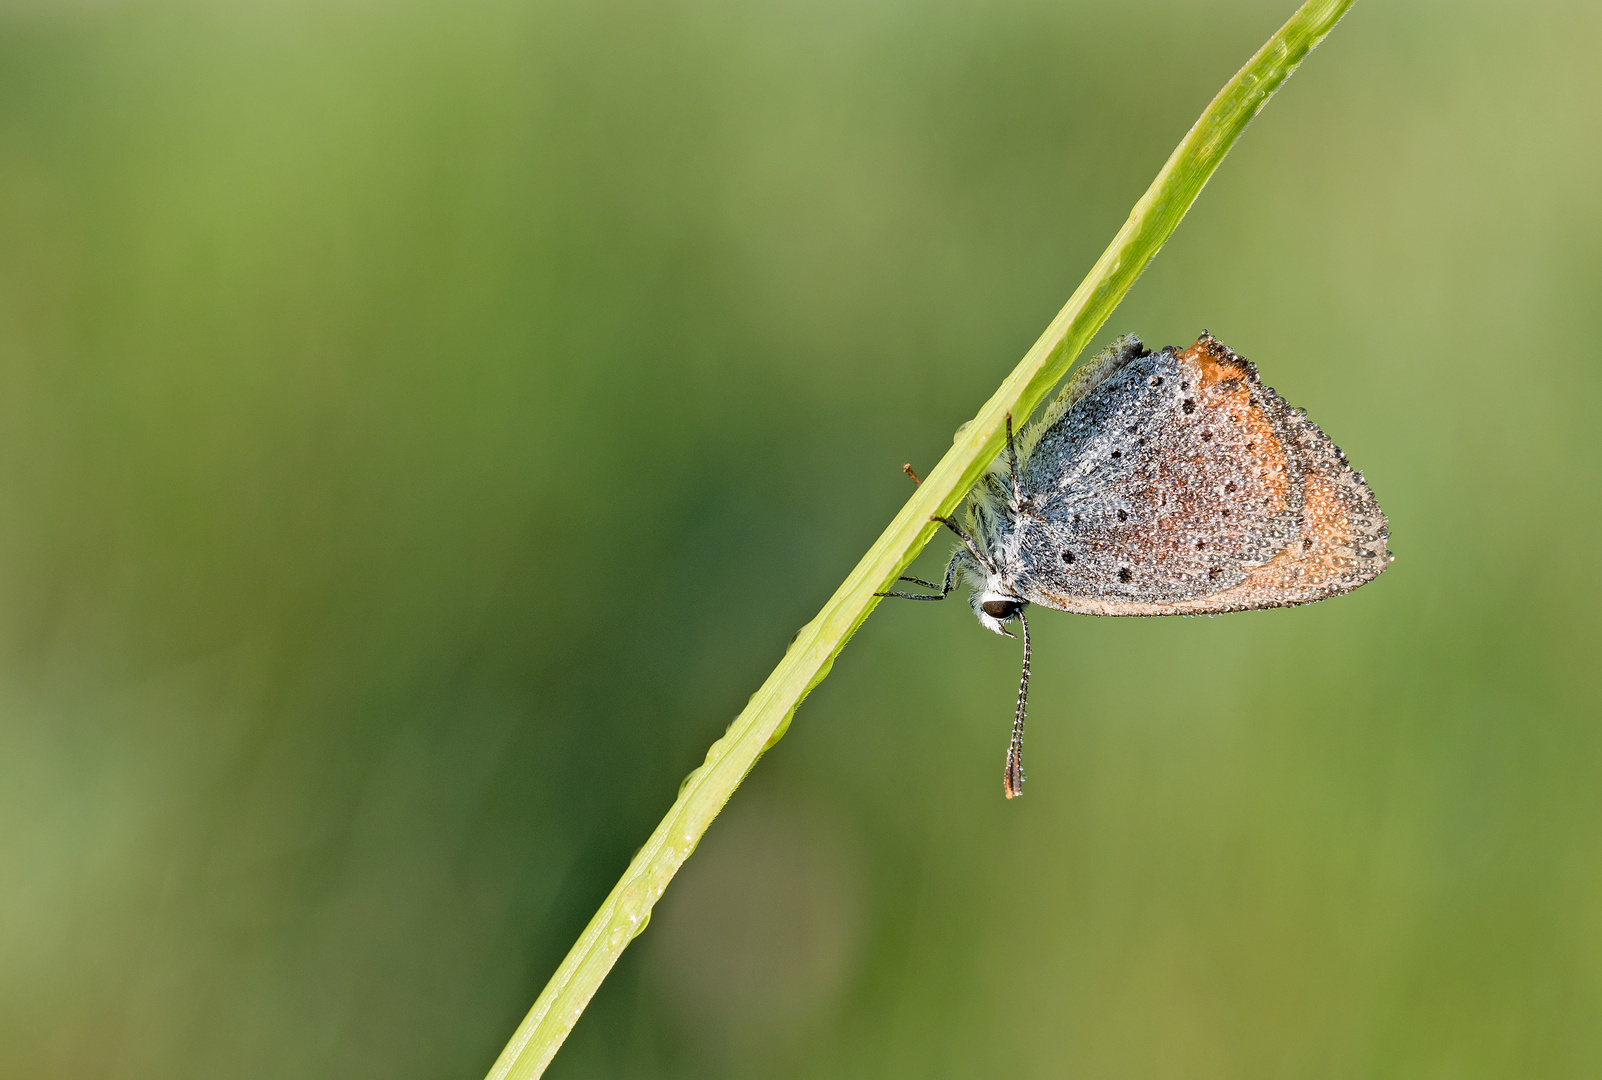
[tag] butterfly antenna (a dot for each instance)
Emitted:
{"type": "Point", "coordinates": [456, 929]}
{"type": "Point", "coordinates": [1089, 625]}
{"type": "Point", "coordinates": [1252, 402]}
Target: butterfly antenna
{"type": "Point", "coordinates": [1013, 779]}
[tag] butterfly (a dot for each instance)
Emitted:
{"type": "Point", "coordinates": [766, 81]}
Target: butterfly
{"type": "Point", "coordinates": [1160, 483]}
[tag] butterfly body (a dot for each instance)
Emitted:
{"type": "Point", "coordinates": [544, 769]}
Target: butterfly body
{"type": "Point", "coordinates": [1161, 483]}
{"type": "Point", "coordinates": [1172, 483]}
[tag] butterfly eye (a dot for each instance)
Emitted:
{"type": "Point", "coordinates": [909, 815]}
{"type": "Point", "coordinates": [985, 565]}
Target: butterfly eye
{"type": "Point", "coordinates": [1001, 609]}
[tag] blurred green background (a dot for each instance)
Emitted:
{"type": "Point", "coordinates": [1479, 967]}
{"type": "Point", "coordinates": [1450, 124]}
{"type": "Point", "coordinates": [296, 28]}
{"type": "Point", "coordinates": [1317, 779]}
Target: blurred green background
{"type": "Point", "coordinates": [423, 425]}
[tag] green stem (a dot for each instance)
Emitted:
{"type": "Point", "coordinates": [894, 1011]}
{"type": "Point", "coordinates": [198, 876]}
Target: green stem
{"type": "Point", "coordinates": [627, 909]}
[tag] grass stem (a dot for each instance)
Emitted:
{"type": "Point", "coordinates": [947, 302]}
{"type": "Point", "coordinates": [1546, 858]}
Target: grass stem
{"type": "Point", "coordinates": [767, 715]}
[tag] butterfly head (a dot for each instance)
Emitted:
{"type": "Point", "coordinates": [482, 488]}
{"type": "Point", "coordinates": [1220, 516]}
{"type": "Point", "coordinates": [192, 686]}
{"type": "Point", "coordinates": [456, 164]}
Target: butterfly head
{"type": "Point", "coordinates": [996, 608]}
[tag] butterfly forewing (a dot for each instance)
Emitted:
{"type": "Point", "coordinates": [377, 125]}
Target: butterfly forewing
{"type": "Point", "coordinates": [1176, 484]}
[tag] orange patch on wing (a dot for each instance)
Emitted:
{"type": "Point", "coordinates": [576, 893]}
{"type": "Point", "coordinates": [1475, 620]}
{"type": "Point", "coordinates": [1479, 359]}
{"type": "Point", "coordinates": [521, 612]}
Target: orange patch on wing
{"type": "Point", "coordinates": [1225, 392]}
{"type": "Point", "coordinates": [1214, 361]}
{"type": "Point", "coordinates": [1306, 569]}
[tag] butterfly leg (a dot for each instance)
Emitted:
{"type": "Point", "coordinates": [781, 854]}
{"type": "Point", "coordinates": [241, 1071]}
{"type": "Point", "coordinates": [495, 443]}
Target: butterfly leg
{"type": "Point", "coordinates": [1012, 464]}
{"type": "Point", "coordinates": [973, 548]}
{"type": "Point", "coordinates": [944, 588]}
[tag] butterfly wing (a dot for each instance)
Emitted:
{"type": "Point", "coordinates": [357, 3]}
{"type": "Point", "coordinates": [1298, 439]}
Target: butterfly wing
{"type": "Point", "coordinates": [1176, 483]}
